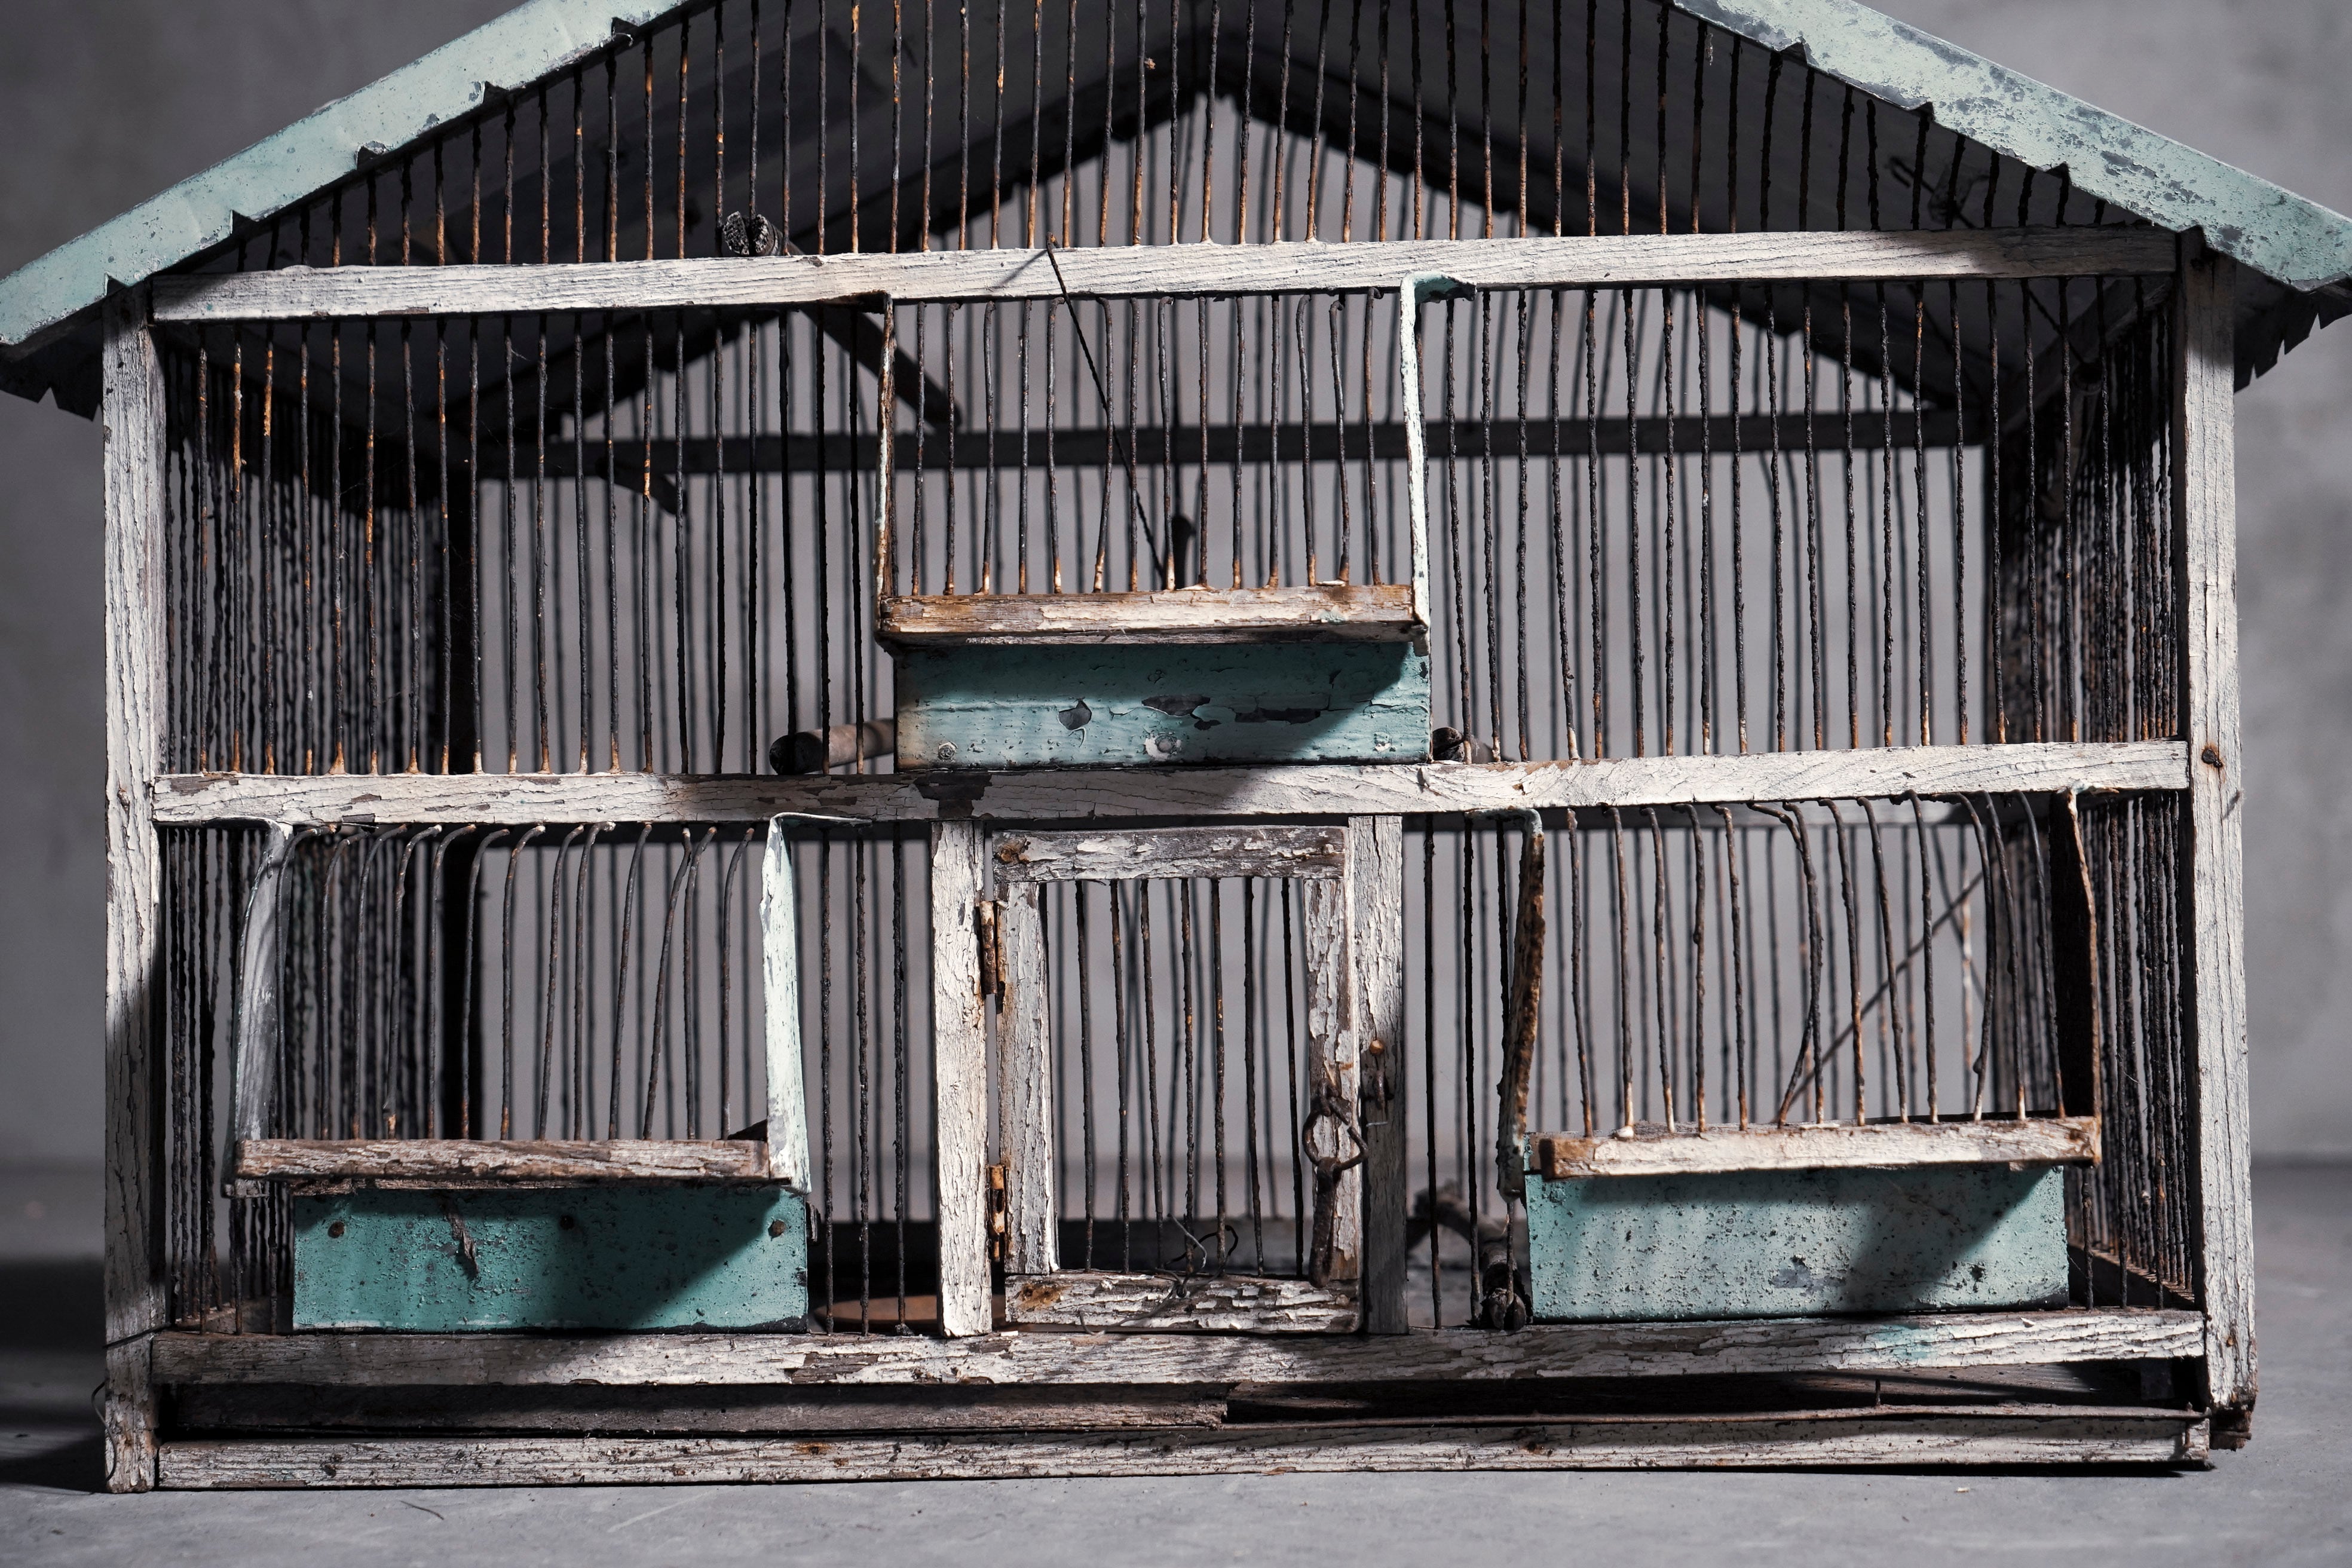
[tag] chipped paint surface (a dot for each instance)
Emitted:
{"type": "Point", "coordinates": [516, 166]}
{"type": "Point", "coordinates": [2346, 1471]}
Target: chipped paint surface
{"type": "Point", "coordinates": [671, 1256]}
{"type": "Point", "coordinates": [2296, 242]}
{"type": "Point", "coordinates": [532, 41]}
{"type": "Point", "coordinates": [1769, 1244]}
{"type": "Point", "coordinates": [1010, 706]}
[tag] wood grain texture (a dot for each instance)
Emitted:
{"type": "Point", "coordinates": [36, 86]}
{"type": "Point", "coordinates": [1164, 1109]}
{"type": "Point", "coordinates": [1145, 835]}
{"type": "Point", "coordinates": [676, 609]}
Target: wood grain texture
{"type": "Point", "coordinates": [1051, 795]}
{"type": "Point", "coordinates": [1159, 1303]}
{"type": "Point", "coordinates": [1024, 1089]}
{"type": "Point", "coordinates": [1329, 612]}
{"type": "Point", "coordinates": [959, 1079]}
{"type": "Point", "coordinates": [221, 1408]}
{"type": "Point", "coordinates": [2204, 479]}
{"type": "Point", "coordinates": [299, 293]}
{"type": "Point", "coordinates": [1328, 951]}
{"type": "Point", "coordinates": [1877, 1145]}
{"type": "Point", "coordinates": [466, 1161]}
{"type": "Point", "coordinates": [2010, 1435]}
{"type": "Point", "coordinates": [1586, 1350]}
{"type": "Point", "coordinates": [135, 684]}
{"type": "Point", "coordinates": [1241, 850]}
{"type": "Point", "coordinates": [1376, 858]}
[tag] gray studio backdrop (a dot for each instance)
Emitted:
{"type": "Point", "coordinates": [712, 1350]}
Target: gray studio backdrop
{"type": "Point", "coordinates": [104, 103]}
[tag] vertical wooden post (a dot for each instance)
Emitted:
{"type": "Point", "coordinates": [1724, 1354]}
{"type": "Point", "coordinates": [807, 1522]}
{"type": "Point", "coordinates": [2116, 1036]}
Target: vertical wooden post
{"type": "Point", "coordinates": [959, 1078]}
{"type": "Point", "coordinates": [1376, 855]}
{"type": "Point", "coordinates": [1334, 1028]}
{"type": "Point", "coordinates": [2212, 894]}
{"type": "Point", "coordinates": [135, 1304]}
{"type": "Point", "coordinates": [1025, 1089]}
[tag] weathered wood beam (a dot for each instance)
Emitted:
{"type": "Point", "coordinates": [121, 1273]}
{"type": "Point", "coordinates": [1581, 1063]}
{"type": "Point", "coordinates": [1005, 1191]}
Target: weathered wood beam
{"type": "Point", "coordinates": [2024, 1435]}
{"type": "Point", "coordinates": [1160, 1304]}
{"type": "Point", "coordinates": [454, 1163]}
{"type": "Point", "coordinates": [960, 1078]}
{"type": "Point", "coordinates": [1247, 850]}
{"type": "Point", "coordinates": [1047, 795]}
{"type": "Point", "coordinates": [1325, 612]}
{"type": "Point", "coordinates": [136, 685]}
{"type": "Point", "coordinates": [2213, 895]}
{"type": "Point", "coordinates": [1376, 856]}
{"type": "Point", "coordinates": [1785, 1345]}
{"type": "Point", "coordinates": [300, 293]}
{"type": "Point", "coordinates": [1877, 1145]}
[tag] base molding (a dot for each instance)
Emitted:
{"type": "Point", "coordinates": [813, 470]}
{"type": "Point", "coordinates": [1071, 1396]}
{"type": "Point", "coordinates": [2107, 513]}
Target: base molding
{"type": "Point", "coordinates": [2007, 1435]}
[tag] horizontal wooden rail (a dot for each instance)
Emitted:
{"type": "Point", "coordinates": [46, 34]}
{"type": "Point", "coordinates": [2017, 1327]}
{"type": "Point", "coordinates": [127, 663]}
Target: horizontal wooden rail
{"type": "Point", "coordinates": [456, 1162]}
{"type": "Point", "coordinates": [1325, 612]}
{"type": "Point", "coordinates": [299, 293]}
{"type": "Point", "coordinates": [1772, 1346]}
{"type": "Point", "coordinates": [1969, 1435]}
{"type": "Point", "coordinates": [1157, 1303]}
{"type": "Point", "coordinates": [1878, 1145]}
{"type": "Point", "coordinates": [1048, 794]}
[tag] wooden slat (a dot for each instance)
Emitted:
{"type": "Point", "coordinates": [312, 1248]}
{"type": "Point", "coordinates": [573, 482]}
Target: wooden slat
{"type": "Point", "coordinates": [135, 651]}
{"type": "Point", "coordinates": [1327, 953]}
{"type": "Point", "coordinates": [2204, 481]}
{"type": "Point", "coordinates": [1878, 1145]}
{"type": "Point", "coordinates": [1376, 858]}
{"type": "Point", "coordinates": [1615, 261]}
{"type": "Point", "coordinates": [2000, 1435]}
{"type": "Point", "coordinates": [1024, 1089]}
{"type": "Point", "coordinates": [1327, 613]}
{"type": "Point", "coordinates": [218, 1409]}
{"type": "Point", "coordinates": [1047, 795]}
{"type": "Point", "coordinates": [959, 1079]}
{"type": "Point", "coordinates": [461, 1162]}
{"type": "Point", "coordinates": [1245, 850]}
{"type": "Point", "coordinates": [1159, 1303]}
{"type": "Point", "coordinates": [1583, 1350]}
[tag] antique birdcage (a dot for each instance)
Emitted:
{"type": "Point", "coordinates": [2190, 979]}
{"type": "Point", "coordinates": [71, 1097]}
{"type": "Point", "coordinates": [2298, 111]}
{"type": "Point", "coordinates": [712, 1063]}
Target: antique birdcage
{"type": "Point", "coordinates": [1070, 740]}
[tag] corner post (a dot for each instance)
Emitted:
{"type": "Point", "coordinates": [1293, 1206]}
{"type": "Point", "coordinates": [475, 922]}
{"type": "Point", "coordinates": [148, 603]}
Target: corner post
{"type": "Point", "coordinates": [2204, 499]}
{"type": "Point", "coordinates": [135, 1301]}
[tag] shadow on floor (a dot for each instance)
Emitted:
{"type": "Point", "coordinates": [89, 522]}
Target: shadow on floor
{"type": "Point", "coordinates": [51, 1361]}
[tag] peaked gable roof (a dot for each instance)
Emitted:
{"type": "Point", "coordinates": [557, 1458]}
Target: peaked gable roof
{"type": "Point", "coordinates": [2300, 252]}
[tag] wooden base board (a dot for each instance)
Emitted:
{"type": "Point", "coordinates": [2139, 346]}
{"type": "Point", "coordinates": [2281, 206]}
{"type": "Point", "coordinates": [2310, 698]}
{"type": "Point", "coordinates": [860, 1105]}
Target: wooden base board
{"type": "Point", "coordinates": [1996, 1435]}
{"type": "Point", "coordinates": [1587, 1349]}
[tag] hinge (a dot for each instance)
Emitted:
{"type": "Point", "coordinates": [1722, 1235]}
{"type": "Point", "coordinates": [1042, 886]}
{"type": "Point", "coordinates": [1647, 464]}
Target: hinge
{"type": "Point", "coordinates": [996, 1221]}
{"type": "Point", "coordinates": [991, 948]}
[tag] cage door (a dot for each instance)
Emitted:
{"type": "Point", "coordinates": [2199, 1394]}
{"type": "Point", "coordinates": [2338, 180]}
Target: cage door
{"type": "Point", "coordinates": [1176, 1060]}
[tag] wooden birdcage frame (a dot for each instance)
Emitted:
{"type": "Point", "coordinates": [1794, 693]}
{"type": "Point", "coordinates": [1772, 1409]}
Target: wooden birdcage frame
{"type": "Point", "coordinates": [1048, 1380]}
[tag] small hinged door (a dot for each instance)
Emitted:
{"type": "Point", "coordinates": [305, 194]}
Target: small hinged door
{"type": "Point", "coordinates": [1176, 1055]}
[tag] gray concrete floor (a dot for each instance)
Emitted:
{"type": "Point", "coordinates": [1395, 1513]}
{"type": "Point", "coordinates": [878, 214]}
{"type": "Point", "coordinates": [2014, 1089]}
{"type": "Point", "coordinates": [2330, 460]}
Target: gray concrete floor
{"type": "Point", "coordinates": [2286, 1499]}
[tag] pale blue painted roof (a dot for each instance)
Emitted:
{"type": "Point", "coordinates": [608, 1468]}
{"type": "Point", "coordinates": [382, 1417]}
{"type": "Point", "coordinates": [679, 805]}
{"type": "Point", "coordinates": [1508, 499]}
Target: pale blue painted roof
{"type": "Point", "coordinates": [2303, 249]}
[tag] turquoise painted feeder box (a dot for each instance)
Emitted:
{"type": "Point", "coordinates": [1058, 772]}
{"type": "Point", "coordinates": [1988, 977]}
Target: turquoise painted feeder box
{"type": "Point", "coordinates": [671, 1256]}
{"type": "Point", "coordinates": [997, 706]}
{"type": "Point", "coordinates": [1771, 1244]}
{"type": "Point", "coordinates": [1312, 672]}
